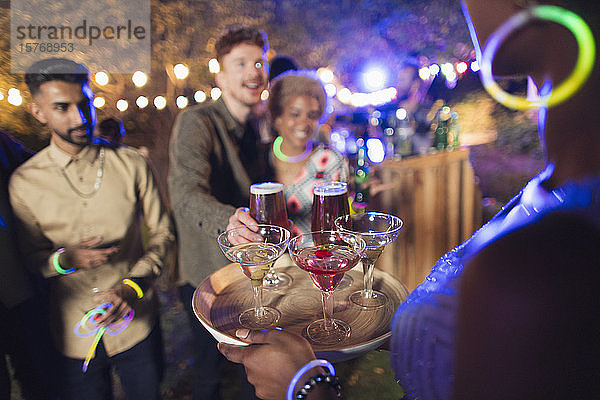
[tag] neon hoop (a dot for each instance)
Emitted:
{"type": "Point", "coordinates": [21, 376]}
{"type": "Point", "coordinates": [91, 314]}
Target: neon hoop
{"type": "Point", "coordinates": [582, 70]}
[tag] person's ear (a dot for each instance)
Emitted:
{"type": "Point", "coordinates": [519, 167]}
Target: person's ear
{"type": "Point", "coordinates": [277, 123]}
{"type": "Point", "coordinates": [219, 80]}
{"type": "Point", "coordinates": [37, 112]}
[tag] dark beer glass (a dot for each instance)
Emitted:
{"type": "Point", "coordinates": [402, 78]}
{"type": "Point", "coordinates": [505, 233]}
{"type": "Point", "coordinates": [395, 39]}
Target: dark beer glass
{"type": "Point", "coordinates": [267, 206]}
{"type": "Point", "coordinates": [330, 201]}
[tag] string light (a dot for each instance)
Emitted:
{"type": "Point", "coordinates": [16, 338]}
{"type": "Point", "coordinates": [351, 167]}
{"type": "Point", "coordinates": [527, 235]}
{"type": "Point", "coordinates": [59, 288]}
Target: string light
{"type": "Point", "coordinates": [139, 78]}
{"type": "Point", "coordinates": [99, 102]}
{"type": "Point", "coordinates": [160, 102]}
{"type": "Point", "coordinates": [181, 71]}
{"type": "Point", "coordinates": [215, 93]}
{"type": "Point", "coordinates": [101, 78]}
{"type": "Point", "coordinates": [122, 105]}
{"type": "Point", "coordinates": [181, 101]}
{"type": "Point", "coordinates": [200, 96]}
{"type": "Point", "coordinates": [213, 66]}
{"type": "Point", "coordinates": [142, 102]}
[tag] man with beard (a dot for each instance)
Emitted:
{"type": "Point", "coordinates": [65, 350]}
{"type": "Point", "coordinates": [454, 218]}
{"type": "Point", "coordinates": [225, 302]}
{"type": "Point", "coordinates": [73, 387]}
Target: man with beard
{"type": "Point", "coordinates": [214, 158]}
{"type": "Point", "coordinates": [78, 207]}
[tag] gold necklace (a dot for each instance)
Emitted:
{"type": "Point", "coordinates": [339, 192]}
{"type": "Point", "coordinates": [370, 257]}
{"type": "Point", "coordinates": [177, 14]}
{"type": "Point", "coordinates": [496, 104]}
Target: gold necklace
{"type": "Point", "coordinates": [97, 184]}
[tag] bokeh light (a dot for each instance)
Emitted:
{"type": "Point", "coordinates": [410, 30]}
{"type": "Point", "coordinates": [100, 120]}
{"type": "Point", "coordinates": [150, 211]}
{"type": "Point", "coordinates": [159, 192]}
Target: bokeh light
{"type": "Point", "coordinates": [101, 78]}
{"type": "Point", "coordinates": [160, 102]}
{"type": "Point", "coordinates": [142, 102]}
{"type": "Point", "coordinates": [139, 78]}
{"type": "Point", "coordinates": [122, 105]}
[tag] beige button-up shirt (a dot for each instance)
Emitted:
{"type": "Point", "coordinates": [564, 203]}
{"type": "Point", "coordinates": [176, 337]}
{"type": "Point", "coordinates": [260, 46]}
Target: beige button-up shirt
{"type": "Point", "coordinates": [54, 200]}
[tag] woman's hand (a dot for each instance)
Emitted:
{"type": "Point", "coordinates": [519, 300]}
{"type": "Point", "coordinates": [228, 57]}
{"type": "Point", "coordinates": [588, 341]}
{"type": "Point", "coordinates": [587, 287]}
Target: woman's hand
{"type": "Point", "coordinates": [271, 359]}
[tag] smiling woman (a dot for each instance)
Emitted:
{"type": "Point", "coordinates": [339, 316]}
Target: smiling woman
{"type": "Point", "coordinates": [296, 105]}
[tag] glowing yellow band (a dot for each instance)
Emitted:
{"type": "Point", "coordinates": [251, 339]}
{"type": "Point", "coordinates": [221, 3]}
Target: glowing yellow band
{"type": "Point", "coordinates": [582, 70]}
{"type": "Point", "coordinates": [135, 286]}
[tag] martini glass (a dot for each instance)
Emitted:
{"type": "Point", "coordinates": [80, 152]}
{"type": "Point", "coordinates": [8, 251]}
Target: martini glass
{"type": "Point", "coordinates": [255, 257]}
{"type": "Point", "coordinates": [378, 230]}
{"type": "Point", "coordinates": [267, 206]}
{"type": "Point", "coordinates": [326, 256]}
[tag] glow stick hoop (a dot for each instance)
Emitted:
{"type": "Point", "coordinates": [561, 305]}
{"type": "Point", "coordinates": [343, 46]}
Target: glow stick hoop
{"type": "Point", "coordinates": [583, 67]}
{"type": "Point", "coordinates": [91, 328]}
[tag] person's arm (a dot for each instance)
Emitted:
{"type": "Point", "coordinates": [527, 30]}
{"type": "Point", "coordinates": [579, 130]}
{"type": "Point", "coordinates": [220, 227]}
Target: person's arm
{"type": "Point", "coordinates": [124, 294]}
{"type": "Point", "coordinates": [272, 359]}
{"type": "Point", "coordinates": [527, 325]}
{"type": "Point", "coordinates": [189, 175]}
{"type": "Point", "coordinates": [38, 251]}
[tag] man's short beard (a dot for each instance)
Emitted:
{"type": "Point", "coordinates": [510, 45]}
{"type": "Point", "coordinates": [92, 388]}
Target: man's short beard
{"type": "Point", "coordinates": [68, 138]}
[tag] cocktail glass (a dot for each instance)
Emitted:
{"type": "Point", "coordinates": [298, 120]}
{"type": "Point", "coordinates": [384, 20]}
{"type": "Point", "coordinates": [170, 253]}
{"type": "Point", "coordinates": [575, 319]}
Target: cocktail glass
{"type": "Point", "coordinates": [378, 230]}
{"type": "Point", "coordinates": [326, 256]}
{"type": "Point", "coordinates": [255, 256]}
{"type": "Point", "coordinates": [267, 206]}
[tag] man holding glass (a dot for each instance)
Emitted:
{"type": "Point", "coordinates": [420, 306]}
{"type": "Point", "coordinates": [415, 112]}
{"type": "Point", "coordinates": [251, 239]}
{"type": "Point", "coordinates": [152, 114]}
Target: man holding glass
{"type": "Point", "coordinates": [214, 157]}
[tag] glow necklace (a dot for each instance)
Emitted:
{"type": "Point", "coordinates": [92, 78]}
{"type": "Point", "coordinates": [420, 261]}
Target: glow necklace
{"type": "Point", "coordinates": [97, 184]}
{"type": "Point", "coordinates": [582, 70]}
{"type": "Point", "coordinates": [285, 158]}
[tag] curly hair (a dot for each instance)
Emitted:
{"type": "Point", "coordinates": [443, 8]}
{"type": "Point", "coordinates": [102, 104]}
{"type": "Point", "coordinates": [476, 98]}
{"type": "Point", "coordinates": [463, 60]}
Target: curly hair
{"type": "Point", "coordinates": [235, 36]}
{"type": "Point", "coordinates": [292, 84]}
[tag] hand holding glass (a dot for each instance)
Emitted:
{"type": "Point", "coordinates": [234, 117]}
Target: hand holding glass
{"type": "Point", "coordinates": [267, 206]}
{"type": "Point", "coordinates": [377, 230]}
{"type": "Point", "coordinates": [326, 256]}
{"type": "Point", "coordinates": [255, 256]}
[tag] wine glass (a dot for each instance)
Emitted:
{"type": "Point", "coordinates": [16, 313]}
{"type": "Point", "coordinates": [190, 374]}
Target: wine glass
{"type": "Point", "coordinates": [326, 256]}
{"type": "Point", "coordinates": [267, 206]}
{"type": "Point", "coordinates": [255, 256]}
{"type": "Point", "coordinates": [330, 201]}
{"type": "Point", "coordinates": [378, 230]}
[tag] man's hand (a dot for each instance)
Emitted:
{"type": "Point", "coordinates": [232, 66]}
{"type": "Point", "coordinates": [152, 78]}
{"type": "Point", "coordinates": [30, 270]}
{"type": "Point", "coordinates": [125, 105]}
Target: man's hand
{"type": "Point", "coordinates": [242, 219]}
{"type": "Point", "coordinates": [82, 255]}
{"type": "Point", "coordinates": [271, 359]}
{"type": "Point", "coordinates": [122, 297]}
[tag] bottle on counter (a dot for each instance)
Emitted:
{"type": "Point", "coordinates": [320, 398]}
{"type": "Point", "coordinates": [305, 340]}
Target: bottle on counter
{"type": "Point", "coordinates": [440, 136]}
{"type": "Point", "coordinates": [361, 177]}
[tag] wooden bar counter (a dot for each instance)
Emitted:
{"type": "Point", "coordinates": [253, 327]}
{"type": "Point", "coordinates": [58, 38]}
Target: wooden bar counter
{"type": "Point", "coordinates": [437, 198]}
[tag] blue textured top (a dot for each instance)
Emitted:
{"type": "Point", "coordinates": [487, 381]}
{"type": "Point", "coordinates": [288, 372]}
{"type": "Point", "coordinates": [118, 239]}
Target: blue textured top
{"type": "Point", "coordinates": [423, 328]}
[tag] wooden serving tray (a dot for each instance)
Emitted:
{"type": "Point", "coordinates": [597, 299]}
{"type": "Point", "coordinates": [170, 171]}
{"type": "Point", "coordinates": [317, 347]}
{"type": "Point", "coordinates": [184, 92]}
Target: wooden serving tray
{"type": "Point", "coordinates": [220, 298]}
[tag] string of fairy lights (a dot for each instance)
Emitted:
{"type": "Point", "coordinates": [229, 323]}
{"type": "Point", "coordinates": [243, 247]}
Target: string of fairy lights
{"type": "Point", "coordinates": [334, 88]}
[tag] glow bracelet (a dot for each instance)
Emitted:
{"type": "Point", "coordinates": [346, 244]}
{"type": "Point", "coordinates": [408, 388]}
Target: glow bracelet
{"type": "Point", "coordinates": [56, 263]}
{"type": "Point", "coordinates": [302, 371]}
{"type": "Point", "coordinates": [134, 286]}
{"type": "Point", "coordinates": [583, 67]}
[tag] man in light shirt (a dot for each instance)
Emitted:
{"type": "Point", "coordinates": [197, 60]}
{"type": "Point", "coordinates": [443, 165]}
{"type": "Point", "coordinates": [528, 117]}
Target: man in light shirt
{"type": "Point", "coordinates": [78, 206]}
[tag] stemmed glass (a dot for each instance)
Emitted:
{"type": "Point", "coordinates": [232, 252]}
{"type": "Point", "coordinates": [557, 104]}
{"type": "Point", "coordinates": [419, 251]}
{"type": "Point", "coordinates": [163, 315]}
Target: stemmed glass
{"type": "Point", "coordinates": [330, 201]}
{"type": "Point", "coordinates": [267, 206]}
{"type": "Point", "coordinates": [326, 256]}
{"type": "Point", "coordinates": [378, 230]}
{"type": "Point", "coordinates": [255, 256]}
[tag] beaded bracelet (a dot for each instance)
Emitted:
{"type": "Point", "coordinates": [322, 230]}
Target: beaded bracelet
{"type": "Point", "coordinates": [56, 263]}
{"type": "Point", "coordinates": [333, 381]}
{"type": "Point", "coordinates": [134, 286]}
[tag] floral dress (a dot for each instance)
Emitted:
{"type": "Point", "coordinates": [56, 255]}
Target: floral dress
{"type": "Point", "coordinates": [325, 164]}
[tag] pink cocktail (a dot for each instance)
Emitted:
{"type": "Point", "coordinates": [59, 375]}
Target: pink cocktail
{"type": "Point", "coordinates": [326, 256]}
